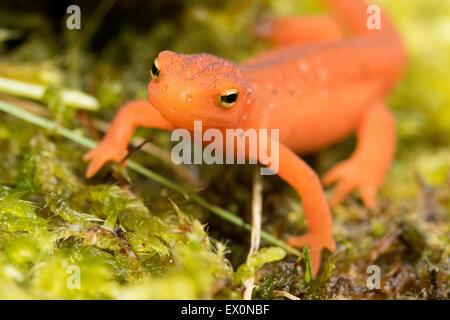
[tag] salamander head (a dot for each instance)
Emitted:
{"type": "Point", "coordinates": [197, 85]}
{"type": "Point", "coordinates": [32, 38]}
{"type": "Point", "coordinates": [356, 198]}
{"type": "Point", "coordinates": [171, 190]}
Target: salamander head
{"type": "Point", "coordinates": [188, 88]}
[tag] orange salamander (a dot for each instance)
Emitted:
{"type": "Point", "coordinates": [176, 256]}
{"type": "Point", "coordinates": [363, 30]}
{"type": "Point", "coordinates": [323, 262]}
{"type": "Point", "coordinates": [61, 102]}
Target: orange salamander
{"type": "Point", "coordinates": [315, 86]}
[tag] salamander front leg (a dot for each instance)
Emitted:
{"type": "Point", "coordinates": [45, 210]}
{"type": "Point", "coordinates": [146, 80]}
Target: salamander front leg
{"type": "Point", "coordinates": [114, 145]}
{"type": "Point", "coordinates": [305, 181]}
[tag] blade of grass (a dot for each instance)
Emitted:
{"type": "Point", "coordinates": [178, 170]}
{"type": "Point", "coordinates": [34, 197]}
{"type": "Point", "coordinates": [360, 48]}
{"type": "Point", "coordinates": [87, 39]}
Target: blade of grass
{"type": "Point", "coordinates": [307, 259]}
{"type": "Point", "coordinates": [86, 142]}
{"type": "Point", "coordinates": [71, 98]}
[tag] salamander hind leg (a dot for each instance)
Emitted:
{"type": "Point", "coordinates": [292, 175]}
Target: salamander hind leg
{"type": "Point", "coordinates": [366, 169]}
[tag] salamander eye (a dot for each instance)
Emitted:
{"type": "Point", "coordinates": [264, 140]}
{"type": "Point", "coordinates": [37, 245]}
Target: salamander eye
{"type": "Point", "coordinates": [228, 98]}
{"type": "Point", "coordinates": [155, 71]}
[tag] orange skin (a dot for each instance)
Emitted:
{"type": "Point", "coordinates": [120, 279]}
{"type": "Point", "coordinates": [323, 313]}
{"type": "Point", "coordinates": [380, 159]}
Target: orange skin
{"type": "Point", "coordinates": [315, 94]}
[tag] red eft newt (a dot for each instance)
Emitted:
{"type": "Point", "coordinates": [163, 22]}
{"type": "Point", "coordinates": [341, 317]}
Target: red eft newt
{"type": "Point", "coordinates": [315, 86]}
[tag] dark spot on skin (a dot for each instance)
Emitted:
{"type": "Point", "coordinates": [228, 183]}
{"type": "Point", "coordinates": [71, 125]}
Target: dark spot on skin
{"type": "Point", "coordinates": [305, 77]}
{"type": "Point", "coordinates": [274, 92]}
{"type": "Point", "coordinates": [364, 71]}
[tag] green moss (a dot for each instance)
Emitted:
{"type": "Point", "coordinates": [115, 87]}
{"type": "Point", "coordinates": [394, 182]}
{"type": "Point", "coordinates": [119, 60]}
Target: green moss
{"type": "Point", "coordinates": [256, 261]}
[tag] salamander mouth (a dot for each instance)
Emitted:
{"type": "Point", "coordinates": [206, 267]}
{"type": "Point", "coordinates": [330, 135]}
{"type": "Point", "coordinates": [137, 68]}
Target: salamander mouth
{"type": "Point", "coordinates": [182, 117]}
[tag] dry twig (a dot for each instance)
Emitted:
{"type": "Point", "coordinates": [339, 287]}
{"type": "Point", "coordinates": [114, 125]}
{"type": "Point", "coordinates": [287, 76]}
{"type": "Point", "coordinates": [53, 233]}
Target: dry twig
{"type": "Point", "coordinates": [256, 228]}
